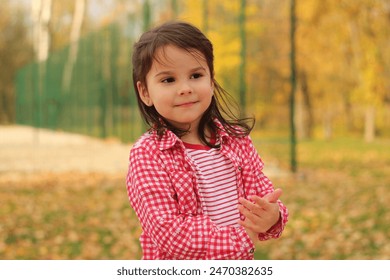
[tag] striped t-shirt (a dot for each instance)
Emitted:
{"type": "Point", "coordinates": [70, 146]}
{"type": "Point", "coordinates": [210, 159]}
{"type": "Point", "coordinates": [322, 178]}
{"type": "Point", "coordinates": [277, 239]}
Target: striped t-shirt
{"type": "Point", "coordinates": [216, 183]}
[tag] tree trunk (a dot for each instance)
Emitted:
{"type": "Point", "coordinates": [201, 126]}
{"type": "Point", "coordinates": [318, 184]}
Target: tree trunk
{"type": "Point", "coordinates": [299, 117]}
{"type": "Point", "coordinates": [327, 122]}
{"type": "Point", "coordinates": [306, 130]}
{"type": "Point", "coordinates": [369, 124]}
{"type": "Point", "coordinates": [348, 114]}
{"type": "Point", "coordinates": [78, 18]}
{"type": "Point", "coordinates": [41, 14]}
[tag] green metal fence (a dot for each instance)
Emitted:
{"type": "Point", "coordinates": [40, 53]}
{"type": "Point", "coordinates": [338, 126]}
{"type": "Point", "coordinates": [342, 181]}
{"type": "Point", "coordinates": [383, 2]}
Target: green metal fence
{"type": "Point", "coordinates": [97, 100]}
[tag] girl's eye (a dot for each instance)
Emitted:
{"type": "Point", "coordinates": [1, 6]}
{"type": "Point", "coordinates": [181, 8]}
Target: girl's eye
{"type": "Point", "coordinates": [196, 76]}
{"type": "Point", "coordinates": [168, 80]}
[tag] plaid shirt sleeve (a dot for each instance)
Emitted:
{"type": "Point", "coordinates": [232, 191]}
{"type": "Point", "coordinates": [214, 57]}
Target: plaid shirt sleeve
{"type": "Point", "coordinates": [263, 187]}
{"type": "Point", "coordinates": [175, 230]}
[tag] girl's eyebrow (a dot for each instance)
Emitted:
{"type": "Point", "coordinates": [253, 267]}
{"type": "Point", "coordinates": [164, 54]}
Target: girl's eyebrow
{"type": "Point", "coordinates": [168, 73]}
{"type": "Point", "coordinates": [198, 68]}
{"type": "Point", "coordinates": [163, 73]}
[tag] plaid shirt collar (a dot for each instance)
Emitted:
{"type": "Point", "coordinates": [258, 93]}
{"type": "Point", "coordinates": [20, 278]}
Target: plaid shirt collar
{"type": "Point", "coordinates": [168, 140]}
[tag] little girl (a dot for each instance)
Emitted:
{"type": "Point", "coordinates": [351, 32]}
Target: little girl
{"type": "Point", "coordinates": [195, 179]}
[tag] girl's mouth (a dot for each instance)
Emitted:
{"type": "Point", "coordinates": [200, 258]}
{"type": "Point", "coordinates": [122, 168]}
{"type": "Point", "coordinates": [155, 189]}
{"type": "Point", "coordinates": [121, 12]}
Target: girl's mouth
{"type": "Point", "coordinates": [186, 104]}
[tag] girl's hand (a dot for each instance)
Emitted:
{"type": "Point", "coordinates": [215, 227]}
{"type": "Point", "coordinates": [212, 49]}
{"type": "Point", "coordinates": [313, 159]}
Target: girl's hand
{"type": "Point", "coordinates": [261, 214]}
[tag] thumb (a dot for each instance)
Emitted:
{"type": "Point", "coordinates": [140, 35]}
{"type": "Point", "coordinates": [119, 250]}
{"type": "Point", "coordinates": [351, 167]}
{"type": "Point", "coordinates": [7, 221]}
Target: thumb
{"type": "Point", "coordinates": [274, 196]}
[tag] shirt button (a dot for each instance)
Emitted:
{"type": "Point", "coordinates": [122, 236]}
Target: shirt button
{"type": "Point", "coordinates": [252, 251]}
{"type": "Point", "coordinates": [239, 168]}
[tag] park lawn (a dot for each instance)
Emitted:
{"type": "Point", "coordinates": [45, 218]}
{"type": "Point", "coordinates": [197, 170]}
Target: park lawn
{"type": "Point", "coordinates": [337, 203]}
{"type": "Point", "coordinates": [67, 216]}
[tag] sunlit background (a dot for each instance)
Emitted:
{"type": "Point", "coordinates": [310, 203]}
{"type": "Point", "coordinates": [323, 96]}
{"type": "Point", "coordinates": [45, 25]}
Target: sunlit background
{"type": "Point", "coordinates": [315, 75]}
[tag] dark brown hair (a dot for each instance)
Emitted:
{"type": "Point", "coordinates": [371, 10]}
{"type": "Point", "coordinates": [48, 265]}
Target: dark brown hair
{"type": "Point", "coordinates": [190, 38]}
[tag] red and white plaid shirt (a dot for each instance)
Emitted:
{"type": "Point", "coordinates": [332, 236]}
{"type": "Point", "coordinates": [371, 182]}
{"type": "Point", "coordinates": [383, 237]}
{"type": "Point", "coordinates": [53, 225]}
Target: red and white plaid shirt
{"type": "Point", "coordinates": [162, 189]}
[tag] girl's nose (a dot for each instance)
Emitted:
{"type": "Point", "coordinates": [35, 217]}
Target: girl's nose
{"type": "Point", "coordinates": [185, 89]}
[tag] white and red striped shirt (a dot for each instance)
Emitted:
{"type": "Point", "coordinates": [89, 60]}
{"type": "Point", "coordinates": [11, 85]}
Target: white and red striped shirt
{"type": "Point", "coordinates": [217, 184]}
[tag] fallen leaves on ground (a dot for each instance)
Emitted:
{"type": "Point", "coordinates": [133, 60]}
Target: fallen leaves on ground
{"type": "Point", "coordinates": [67, 216]}
{"type": "Point", "coordinates": [332, 216]}
{"type": "Point", "coordinates": [87, 216]}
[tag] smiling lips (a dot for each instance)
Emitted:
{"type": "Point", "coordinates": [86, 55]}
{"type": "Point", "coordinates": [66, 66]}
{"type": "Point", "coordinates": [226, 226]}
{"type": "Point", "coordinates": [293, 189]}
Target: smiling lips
{"type": "Point", "coordinates": [186, 104]}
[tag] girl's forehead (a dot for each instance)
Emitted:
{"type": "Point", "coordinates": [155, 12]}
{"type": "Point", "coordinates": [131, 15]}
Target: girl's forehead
{"type": "Point", "coordinates": [170, 54]}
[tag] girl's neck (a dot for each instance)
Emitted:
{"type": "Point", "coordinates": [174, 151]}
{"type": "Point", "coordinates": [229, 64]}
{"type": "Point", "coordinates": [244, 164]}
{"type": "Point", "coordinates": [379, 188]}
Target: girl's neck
{"type": "Point", "coordinates": [192, 137]}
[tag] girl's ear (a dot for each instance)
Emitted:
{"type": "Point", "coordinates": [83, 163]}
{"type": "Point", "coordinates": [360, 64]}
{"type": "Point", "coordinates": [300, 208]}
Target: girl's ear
{"type": "Point", "coordinates": [143, 94]}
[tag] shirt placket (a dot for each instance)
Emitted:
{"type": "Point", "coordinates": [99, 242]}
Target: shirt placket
{"type": "Point", "coordinates": [189, 165]}
{"type": "Point", "coordinates": [227, 152]}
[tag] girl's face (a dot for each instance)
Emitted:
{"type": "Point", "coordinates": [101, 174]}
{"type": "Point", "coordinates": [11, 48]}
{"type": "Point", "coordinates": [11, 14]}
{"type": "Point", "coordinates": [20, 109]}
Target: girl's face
{"type": "Point", "coordinates": [179, 86]}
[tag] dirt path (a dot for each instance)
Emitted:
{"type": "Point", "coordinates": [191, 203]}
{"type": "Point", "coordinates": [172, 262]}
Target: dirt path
{"type": "Point", "coordinates": [25, 151]}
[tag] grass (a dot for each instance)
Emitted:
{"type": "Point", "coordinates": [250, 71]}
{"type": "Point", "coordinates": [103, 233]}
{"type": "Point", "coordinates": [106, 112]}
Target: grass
{"type": "Point", "coordinates": [338, 204]}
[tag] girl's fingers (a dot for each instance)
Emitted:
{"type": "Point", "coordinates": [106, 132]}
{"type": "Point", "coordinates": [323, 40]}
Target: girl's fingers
{"type": "Point", "coordinates": [262, 203]}
{"type": "Point", "coordinates": [259, 213]}
{"type": "Point", "coordinates": [274, 196]}
{"type": "Point", "coordinates": [248, 214]}
{"type": "Point", "coordinates": [247, 224]}
{"type": "Point", "coordinates": [254, 207]}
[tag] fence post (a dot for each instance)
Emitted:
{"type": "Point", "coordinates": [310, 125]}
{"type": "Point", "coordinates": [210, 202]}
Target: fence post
{"type": "Point", "coordinates": [293, 159]}
{"type": "Point", "coordinates": [242, 69]}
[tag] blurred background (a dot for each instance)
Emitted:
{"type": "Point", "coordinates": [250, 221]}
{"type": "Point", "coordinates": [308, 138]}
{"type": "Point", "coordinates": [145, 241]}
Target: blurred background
{"type": "Point", "coordinates": [315, 74]}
